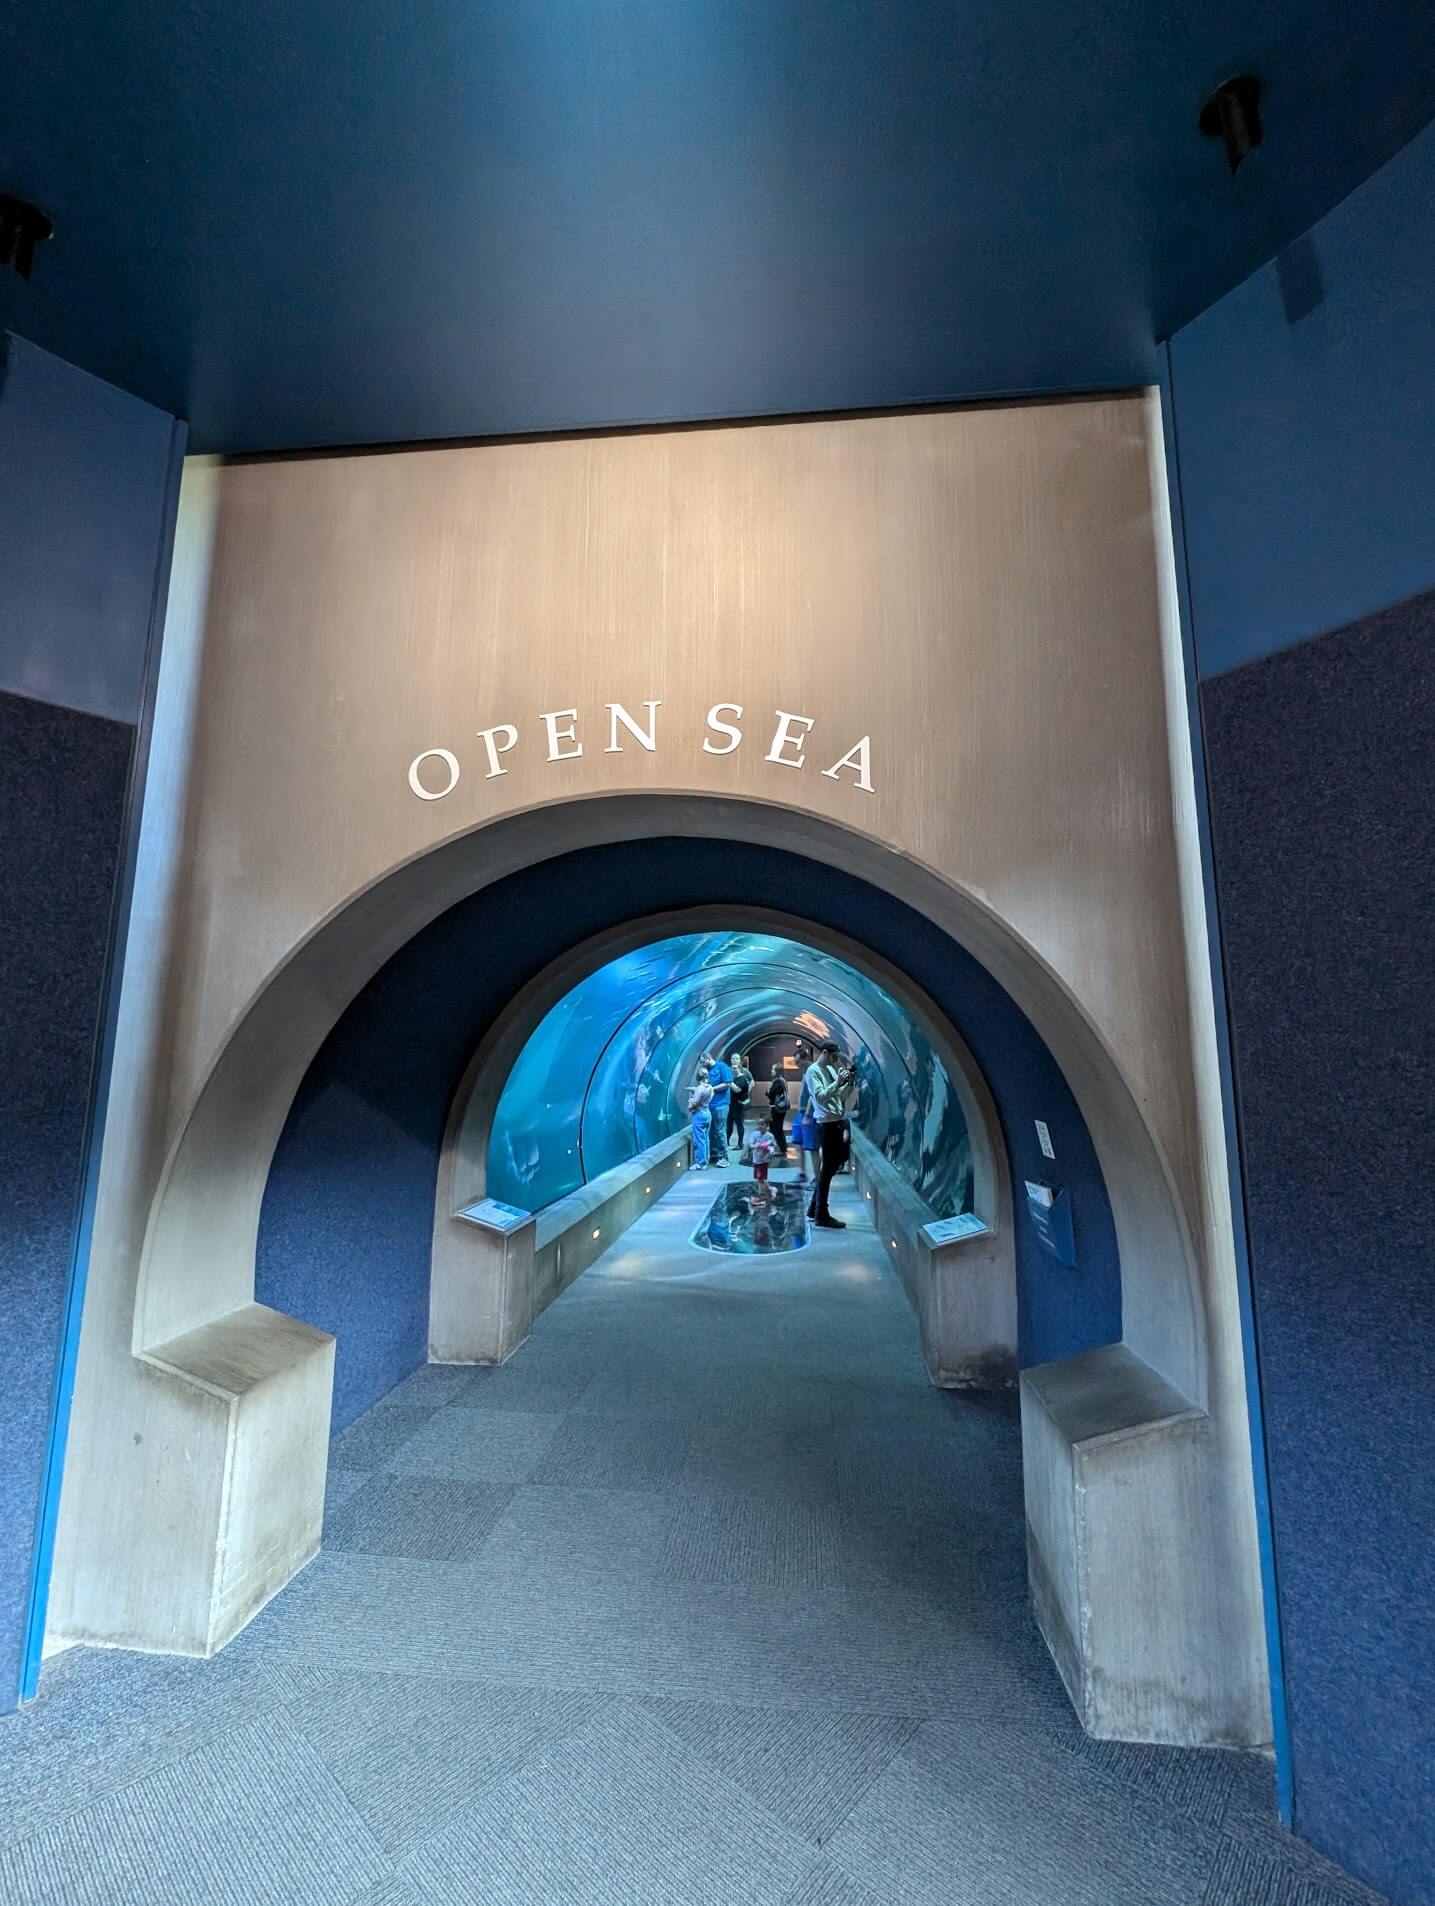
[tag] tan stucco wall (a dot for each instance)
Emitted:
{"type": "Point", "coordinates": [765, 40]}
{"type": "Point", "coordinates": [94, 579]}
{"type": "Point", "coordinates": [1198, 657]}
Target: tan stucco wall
{"type": "Point", "coordinates": [978, 591]}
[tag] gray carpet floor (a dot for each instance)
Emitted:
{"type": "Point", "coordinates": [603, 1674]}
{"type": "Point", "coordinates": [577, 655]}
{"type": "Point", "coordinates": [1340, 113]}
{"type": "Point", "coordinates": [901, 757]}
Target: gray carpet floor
{"type": "Point", "coordinates": [707, 1598]}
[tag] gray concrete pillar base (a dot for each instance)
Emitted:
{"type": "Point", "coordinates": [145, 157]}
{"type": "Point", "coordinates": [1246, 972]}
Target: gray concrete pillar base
{"type": "Point", "coordinates": [968, 1329]}
{"type": "Point", "coordinates": [482, 1299]}
{"type": "Point", "coordinates": [236, 1418]}
{"type": "Point", "coordinates": [1130, 1581]}
{"type": "Point", "coordinates": [963, 1289]}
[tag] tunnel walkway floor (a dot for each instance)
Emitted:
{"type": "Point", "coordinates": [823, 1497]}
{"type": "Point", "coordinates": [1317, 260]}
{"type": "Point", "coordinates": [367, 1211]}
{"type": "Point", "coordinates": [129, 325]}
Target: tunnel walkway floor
{"type": "Point", "coordinates": [706, 1598]}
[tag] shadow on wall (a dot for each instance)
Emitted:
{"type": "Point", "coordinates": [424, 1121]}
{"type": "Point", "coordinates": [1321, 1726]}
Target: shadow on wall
{"type": "Point", "coordinates": [346, 1227]}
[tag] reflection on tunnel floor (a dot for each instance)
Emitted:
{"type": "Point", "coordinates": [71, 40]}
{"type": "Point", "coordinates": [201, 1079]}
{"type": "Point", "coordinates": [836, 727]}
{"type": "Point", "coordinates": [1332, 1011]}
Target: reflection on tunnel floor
{"type": "Point", "coordinates": [749, 1219]}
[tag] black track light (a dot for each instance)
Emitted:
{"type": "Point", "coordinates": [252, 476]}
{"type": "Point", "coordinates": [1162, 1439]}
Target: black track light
{"type": "Point", "coordinates": [22, 228]}
{"type": "Point", "coordinates": [1233, 115]}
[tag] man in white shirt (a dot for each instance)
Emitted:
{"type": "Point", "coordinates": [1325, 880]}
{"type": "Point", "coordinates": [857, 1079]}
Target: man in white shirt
{"type": "Point", "coordinates": [828, 1081]}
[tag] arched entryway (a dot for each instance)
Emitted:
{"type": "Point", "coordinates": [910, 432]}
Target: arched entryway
{"type": "Point", "coordinates": [355, 1168]}
{"type": "Point", "coordinates": [1140, 1397]}
{"type": "Point", "coordinates": [207, 1211]}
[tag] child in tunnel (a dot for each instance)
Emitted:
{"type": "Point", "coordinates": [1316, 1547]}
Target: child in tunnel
{"type": "Point", "coordinates": [700, 1099]}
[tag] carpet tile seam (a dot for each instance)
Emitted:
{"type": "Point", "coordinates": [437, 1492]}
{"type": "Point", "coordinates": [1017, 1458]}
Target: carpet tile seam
{"type": "Point", "coordinates": [497, 1778]}
{"type": "Point", "coordinates": [161, 1765]}
{"type": "Point", "coordinates": [847, 1585]}
{"type": "Point", "coordinates": [126, 1789]}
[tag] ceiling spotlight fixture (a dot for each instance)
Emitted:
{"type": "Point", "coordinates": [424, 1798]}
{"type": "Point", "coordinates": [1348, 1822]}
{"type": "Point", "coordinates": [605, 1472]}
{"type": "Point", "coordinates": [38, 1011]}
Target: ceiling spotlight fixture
{"type": "Point", "coordinates": [22, 228]}
{"type": "Point", "coordinates": [1233, 115]}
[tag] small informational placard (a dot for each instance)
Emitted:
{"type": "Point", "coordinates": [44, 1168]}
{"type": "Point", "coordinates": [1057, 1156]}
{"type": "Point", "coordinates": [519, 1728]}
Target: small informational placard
{"type": "Point", "coordinates": [1043, 1138]}
{"type": "Point", "coordinates": [496, 1215]}
{"type": "Point", "coordinates": [1051, 1214]}
{"type": "Point", "coordinates": [965, 1225]}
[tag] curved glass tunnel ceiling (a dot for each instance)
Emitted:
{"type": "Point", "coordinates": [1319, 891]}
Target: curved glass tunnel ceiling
{"type": "Point", "coordinates": [605, 1073]}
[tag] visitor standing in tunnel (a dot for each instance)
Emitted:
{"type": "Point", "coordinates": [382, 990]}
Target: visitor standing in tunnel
{"type": "Point", "coordinates": [777, 1110]}
{"type": "Point", "coordinates": [720, 1079]}
{"type": "Point", "coordinates": [804, 1130]}
{"type": "Point", "coordinates": [700, 1099]}
{"type": "Point", "coordinates": [828, 1081]}
{"type": "Point", "coordinates": [737, 1102]}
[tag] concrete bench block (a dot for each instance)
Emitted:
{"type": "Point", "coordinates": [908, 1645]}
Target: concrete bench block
{"type": "Point", "coordinates": [575, 1231]}
{"type": "Point", "coordinates": [490, 1282]}
{"type": "Point", "coordinates": [967, 1313]}
{"type": "Point", "coordinates": [1121, 1471]}
{"type": "Point", "coordinates": [483, 1293]}
{"type": "Point", "coordinates": [239, 1417]}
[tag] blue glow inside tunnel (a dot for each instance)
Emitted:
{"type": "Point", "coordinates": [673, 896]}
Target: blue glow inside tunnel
{"type": "Point", "coordinates": [605, 1073]}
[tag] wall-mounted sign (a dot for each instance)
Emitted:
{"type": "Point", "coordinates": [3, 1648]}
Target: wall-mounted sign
{"type": "Point", "coordinates": [1050, 1211]}
{"type": "Point", "coordinates": [495, 1215]}
{"type": "Point", "coordinates": [1043, 1138]}
{"type": "Point", "coordinates": [965, 1225]}
{"type": "Point", "coordinates": [436, 772]}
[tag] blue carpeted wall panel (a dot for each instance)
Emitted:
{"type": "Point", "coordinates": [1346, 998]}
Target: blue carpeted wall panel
{"type": "Point", "coordinates": [62, 792]}
{"type": "Point", "coordinates": [86, 507]}
{"type": "Point", "coordinates": [1304, 409]}
{"type": "Point", "coordinates": [347, 1224]}
{"type": "Point", "coordinates": [1322, 772]}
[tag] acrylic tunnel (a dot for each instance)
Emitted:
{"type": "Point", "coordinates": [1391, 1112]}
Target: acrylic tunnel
{"type": "Point", "coordinates": [604, 1076]}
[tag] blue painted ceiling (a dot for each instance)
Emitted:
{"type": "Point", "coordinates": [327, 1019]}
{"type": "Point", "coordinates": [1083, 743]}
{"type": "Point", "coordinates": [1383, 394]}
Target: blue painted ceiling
{"type": "Point", "coordinates": [299, 224]}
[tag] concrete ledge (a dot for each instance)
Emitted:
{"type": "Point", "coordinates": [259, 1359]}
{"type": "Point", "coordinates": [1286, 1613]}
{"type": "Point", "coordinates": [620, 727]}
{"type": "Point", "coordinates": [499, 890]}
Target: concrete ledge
{"type": "Point", "coordinates": [963, 1290]}
{"type": "Point", "coordinates": [1133, 1600]}
{"type": "Point", "coordinates": [574, 1231]}
{"type": "Point", "coordinates": [490, 1282]}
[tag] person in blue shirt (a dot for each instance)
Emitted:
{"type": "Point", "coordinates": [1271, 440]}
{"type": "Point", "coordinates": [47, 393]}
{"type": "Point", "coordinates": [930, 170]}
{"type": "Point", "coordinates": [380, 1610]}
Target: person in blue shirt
{"type": "Point", "coordinates": [720, 1079]}
{"type": "Point", "coordinates": [804, 1132]}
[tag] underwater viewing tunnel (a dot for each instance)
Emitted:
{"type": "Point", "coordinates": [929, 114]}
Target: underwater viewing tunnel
{"type": "Point", "coordinates": [605, 1074]}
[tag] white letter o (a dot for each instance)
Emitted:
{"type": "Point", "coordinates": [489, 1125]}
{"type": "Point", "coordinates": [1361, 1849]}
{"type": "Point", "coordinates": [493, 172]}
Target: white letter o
{"type": "Point", "coordinates": [433, 754]}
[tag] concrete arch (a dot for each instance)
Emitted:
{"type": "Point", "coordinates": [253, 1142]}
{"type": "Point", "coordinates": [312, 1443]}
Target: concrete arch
{"type": "Point", "coordinates": [237, 1393]}
{"type": "Point", "coordinates": [463, 1159]}
{"type": "Point", "coordinates": [198, 1257]}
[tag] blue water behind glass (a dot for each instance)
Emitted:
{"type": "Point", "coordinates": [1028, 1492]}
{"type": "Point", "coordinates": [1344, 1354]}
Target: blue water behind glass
{"type": "Point", "coordinates": [606, 1072]}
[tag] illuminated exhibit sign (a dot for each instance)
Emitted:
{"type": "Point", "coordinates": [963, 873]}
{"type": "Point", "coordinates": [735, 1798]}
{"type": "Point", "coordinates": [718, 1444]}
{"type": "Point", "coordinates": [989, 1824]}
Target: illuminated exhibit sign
{"type": "Point", "coordinates": [437, 771]}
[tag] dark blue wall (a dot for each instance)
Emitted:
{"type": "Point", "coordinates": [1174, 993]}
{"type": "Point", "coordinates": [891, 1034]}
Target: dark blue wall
{"type": "Point", "coordinates": [1322, 772]}
{"type": "Point", "coordinates": [85, 478]}
{"type": "Point", "coordinates": [346, 1231]}
{"type": "Point", "coordinates": [62, 792]}
{"type": "Point", "coordinates": [1307, 442]}
{"type": "Point", "coordinates": [1305, 425]}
